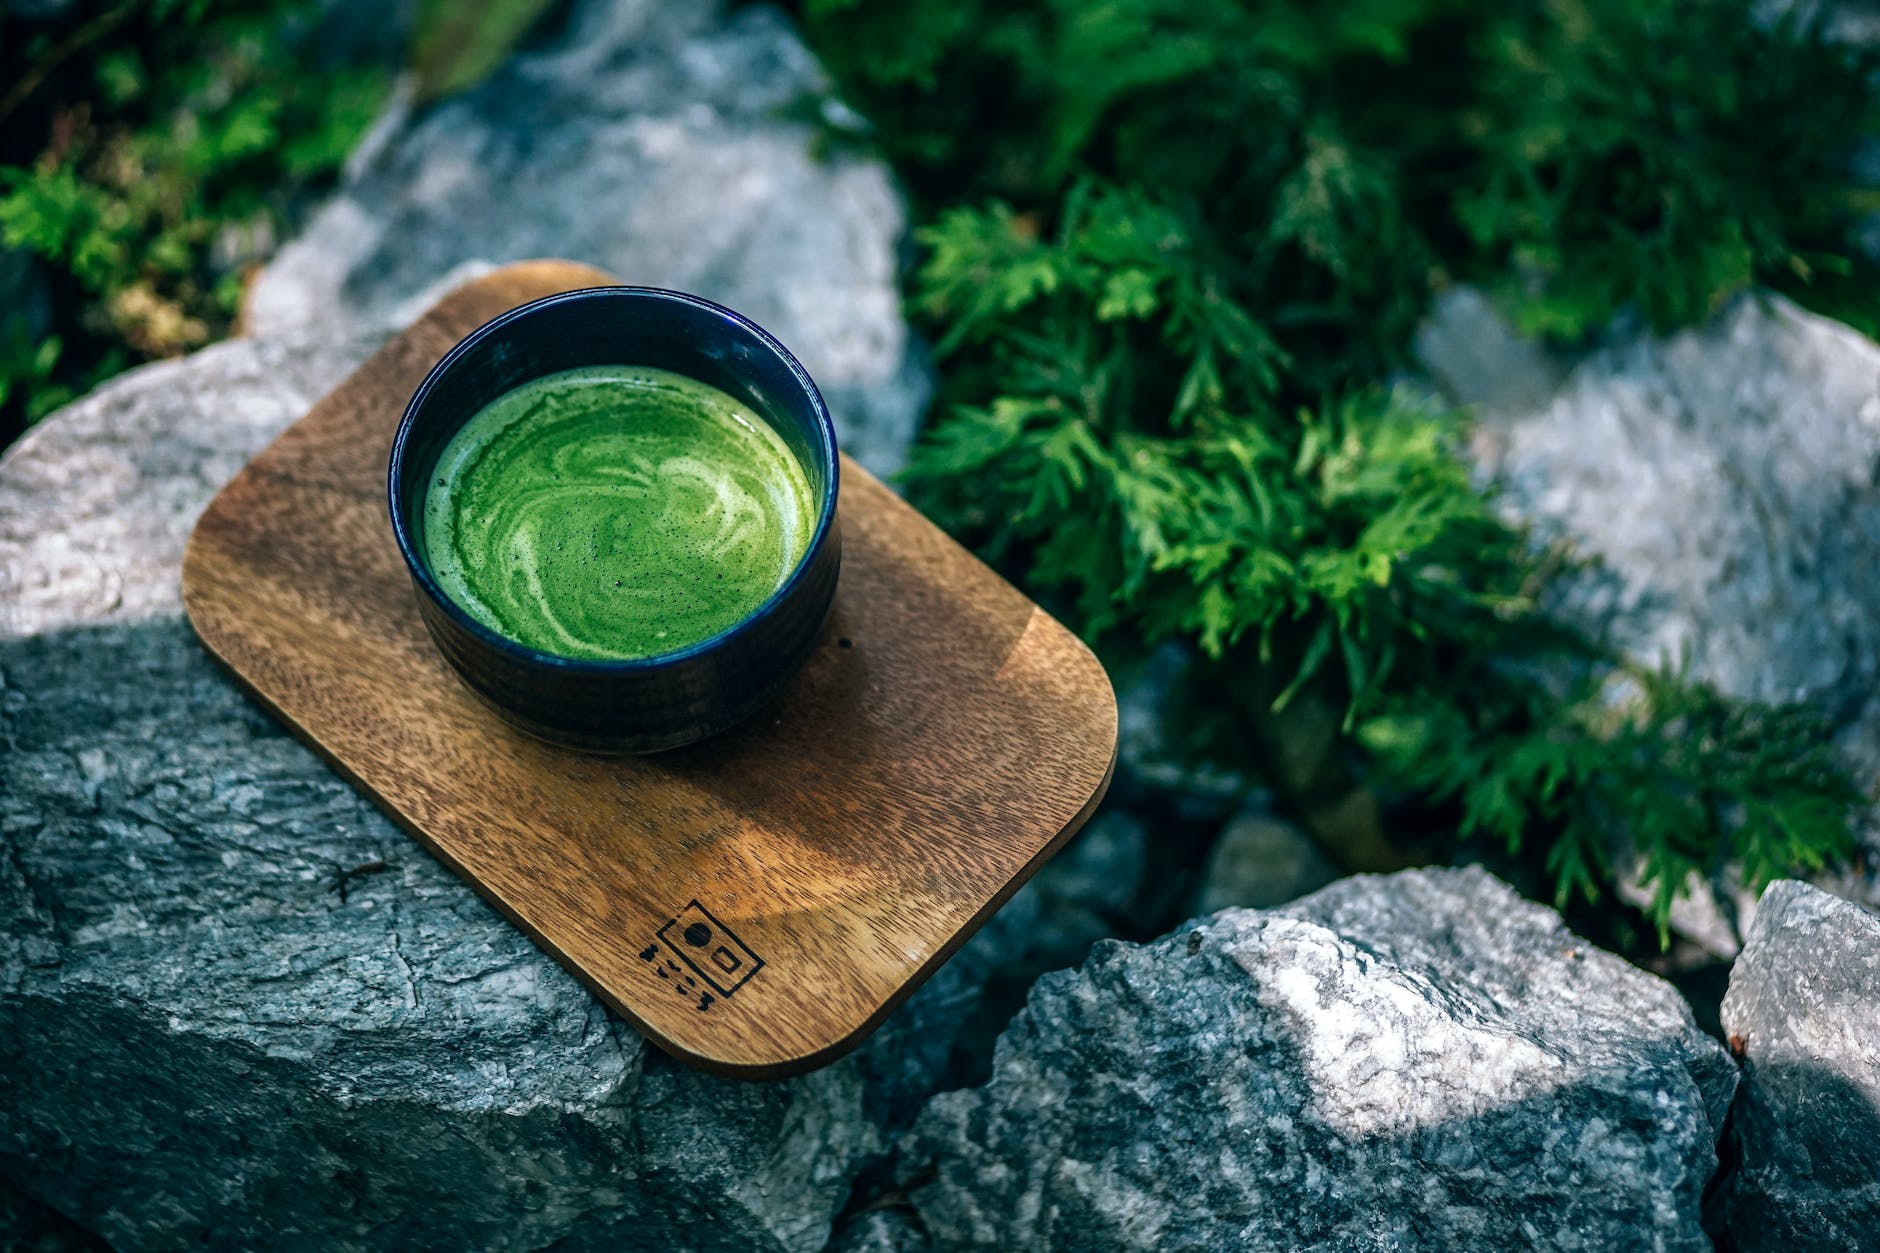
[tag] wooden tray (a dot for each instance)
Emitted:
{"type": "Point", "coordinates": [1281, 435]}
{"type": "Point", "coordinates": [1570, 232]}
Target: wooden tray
{"type": "Point", "coordinates": [755, 904]}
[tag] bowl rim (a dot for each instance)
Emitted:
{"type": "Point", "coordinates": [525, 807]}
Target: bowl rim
{"type": "Point", "coordinates": [401, 521]}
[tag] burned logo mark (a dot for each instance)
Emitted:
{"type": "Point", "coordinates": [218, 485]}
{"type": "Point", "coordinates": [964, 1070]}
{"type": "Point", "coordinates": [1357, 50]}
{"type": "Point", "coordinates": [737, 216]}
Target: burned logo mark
{"type": "Point", "coordinates": [701, 957]}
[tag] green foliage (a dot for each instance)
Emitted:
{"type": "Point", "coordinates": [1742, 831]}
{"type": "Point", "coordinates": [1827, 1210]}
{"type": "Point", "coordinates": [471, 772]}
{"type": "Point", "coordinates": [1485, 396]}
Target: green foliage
{"type": "Point", "coordinates": [26, 368]}
{"type": "Point", "coordinates": [1135, 395]}
{"type": "Point", "coordinates": [1694, 782]}
{"type": "Point", "coordinates": [1172, 255]}
{"type": "Point", "coordinates": [456, 45]}
{"type": "Point", "coordinates": [1666, 168]}
{"type": "Point", "coordinates": [1582, 157]}
{"type": "Point", "coordinates": [1339, 545]}
{"type": "Point", "coordinates": [135, 142]}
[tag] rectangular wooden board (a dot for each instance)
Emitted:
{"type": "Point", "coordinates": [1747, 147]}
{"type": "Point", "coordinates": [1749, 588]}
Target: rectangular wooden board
{"type": "Point", "coordinates": [755, 904]}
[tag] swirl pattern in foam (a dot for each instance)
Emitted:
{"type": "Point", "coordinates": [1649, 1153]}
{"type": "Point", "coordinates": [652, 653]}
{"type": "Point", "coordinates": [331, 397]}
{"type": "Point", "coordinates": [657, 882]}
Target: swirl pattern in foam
{"type": "Point", "coordinates": [614, 512]}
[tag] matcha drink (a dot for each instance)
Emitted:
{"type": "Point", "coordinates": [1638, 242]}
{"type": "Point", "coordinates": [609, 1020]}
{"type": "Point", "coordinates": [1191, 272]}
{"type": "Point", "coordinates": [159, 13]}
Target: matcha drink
{"type": "Point", "coordinates": [613, 512]}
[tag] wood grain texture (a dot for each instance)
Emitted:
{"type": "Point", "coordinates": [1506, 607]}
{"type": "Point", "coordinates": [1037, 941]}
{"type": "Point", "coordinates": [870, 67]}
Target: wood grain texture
{"type": "Point", "coordinates": [944, 738]}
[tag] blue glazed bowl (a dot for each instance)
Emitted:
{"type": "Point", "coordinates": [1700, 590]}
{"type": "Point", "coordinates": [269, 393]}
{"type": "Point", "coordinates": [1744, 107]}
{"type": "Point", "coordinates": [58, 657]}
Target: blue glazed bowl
{"type": "Point", "coordinates": [651, 703]}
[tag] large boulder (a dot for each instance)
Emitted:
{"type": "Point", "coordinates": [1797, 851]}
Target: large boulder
{"type": "Point", "coordinates": [97, 501]}
{"type": "Point", "coordinates": [1803, 1014]}
{"type": "Point", "coordinates": [668, 143]}
{"type": "Point", "coordinates": [238, 1008]}
{"type": "Point", "coordinates": [1419, 1061]}
{"type": "Point", "coordinates": [1724, 477]}
{"type": "Point", "coordinates": [1726, 480]}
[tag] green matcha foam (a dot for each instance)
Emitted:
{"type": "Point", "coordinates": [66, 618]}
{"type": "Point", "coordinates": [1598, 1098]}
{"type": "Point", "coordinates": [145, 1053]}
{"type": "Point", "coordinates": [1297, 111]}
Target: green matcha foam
{"type": "Point", "coordinates": [614, 512]}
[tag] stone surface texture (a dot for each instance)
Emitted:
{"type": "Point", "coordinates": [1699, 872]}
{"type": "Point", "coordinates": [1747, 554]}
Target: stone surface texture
{"type": "Point", "coordinates": [1419, 1061]}
{"type": "Point", "coordinates": [1085, 893]}
{"type": "Point", "coordinates": [1725, 477]}
{"type": "Point", "coordinates": [1803, 1014]}
{"type": "Point", "coordinates": [28, 1226]}
{"type": "Point", "coordinates": [97, 501]}
{"type": "Point", "coordinates": [1151, 757]}
{"type": "Point", "coordinates": [238, 1009]}
{"type": "Point", "coordinates": [1727, 481]}
{"type": "Point", "coordinates": [670, 144]}
{"type": "Point", "coordinates": [1259, 861]}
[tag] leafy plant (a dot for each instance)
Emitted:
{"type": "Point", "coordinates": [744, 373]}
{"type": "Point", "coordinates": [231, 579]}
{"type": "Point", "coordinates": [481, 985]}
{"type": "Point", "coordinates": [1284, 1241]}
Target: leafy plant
{"type": "Point", "coordinates": [455, 45]}
{"type": "Point", "coordinates": [1637, 772]}
{"type": "Point", "coordinates": [1172, 256]}
{"type": "Point", "coordinates": [1668, 167]}
{"type": "Point", "coordinates": [143, 146]}
{"type": "Point", "coordinates": [26, 366]}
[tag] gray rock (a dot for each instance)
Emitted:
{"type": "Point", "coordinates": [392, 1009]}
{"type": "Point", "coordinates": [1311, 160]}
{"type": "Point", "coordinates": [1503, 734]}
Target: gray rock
{"type": "Point", "coordinates": [238, 1008]}
{"type": "Point", "coordinates": [1151, 753]}
{"type": "Point", "coordinates": [1260, 861]}
{"type": "Point", "coordinates": [1803, 1014]}
{"type": "Point", "coordinates": [26, 1226]}
{"type": "Point", "coordinates": [1727, 480]}
{"type": "Point", "coordinates": [206, 1043]}
{"type": "Point", "coordinates": [1084, 892]}
{"type": "Point", "coordinates": [651, 140]}
{"type": "Point", "coordinates": [1419, 1061]}
{"type": "Point", "coordinates": [96, 502]}
{"type": "Point", "coordinates": [1480, 359]}
{"type": "Point", "coordinates": [882, 1230]}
